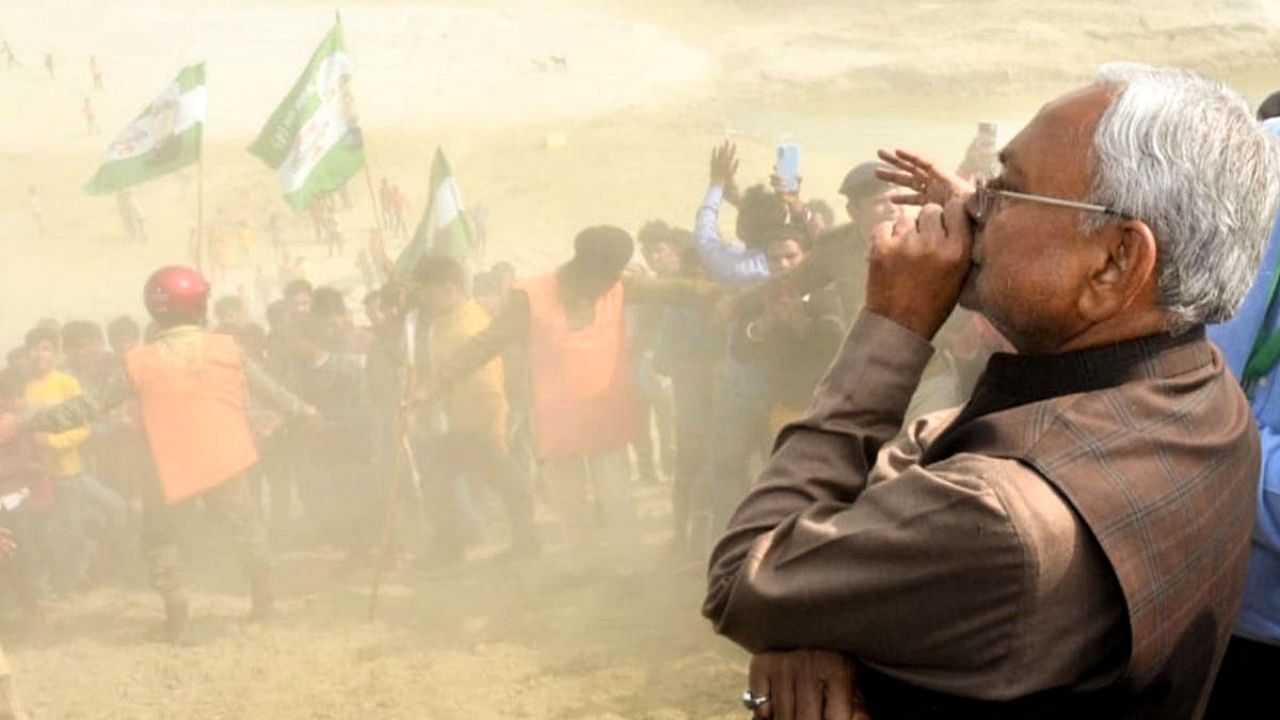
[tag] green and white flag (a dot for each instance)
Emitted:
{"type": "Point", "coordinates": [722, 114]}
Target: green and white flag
{"type": "Point", "coordinates": [163, 138]}
{"type": "Point", "coordinates": [445, 228]}
{"type": "Point", "coordinates": [313, 140]}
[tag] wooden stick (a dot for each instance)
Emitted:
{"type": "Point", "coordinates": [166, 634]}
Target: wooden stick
{"type": "Point", "coordinates": [393, 487]}
{"type": "Point", "coordinates": [373, 198]}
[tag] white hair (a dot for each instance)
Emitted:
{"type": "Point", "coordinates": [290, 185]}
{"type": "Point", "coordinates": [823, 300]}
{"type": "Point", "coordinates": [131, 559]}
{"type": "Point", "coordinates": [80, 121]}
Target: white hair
{"type": "Point", "coordinates": [1185, 155]}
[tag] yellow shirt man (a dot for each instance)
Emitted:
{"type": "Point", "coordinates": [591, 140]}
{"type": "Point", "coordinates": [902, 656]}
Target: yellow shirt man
{"type": "Point", "coordinates": [478, 403]}
{"type": "Point", "coordinates": [62, 452]}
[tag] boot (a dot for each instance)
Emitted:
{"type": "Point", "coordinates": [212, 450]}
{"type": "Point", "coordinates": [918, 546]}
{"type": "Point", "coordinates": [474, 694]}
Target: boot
{"type": "Point", "coordinates": [177, 612]}
{"type": "Point", "coordinates": [263, 600]}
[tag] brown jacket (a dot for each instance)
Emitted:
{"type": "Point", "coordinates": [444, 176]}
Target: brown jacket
{"type": "Point", "coordinates": [1071, 545]}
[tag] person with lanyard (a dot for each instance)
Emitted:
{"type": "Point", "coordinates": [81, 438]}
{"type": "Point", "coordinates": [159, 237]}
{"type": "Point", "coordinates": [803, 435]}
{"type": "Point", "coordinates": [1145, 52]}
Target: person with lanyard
{"type": "Point", "coordinates": [1251, 345]}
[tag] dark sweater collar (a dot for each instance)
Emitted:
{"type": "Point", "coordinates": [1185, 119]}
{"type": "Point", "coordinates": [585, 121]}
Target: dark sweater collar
{"type": "Point", "coordinates": [1010, 380]}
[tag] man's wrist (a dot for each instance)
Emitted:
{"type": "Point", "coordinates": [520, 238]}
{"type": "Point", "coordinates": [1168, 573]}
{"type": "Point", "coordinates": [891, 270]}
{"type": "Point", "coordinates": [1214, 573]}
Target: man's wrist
{"type": "Point", "coordinates": [879, 366]}
{"type": "Point", "coordinates": [923, 324]}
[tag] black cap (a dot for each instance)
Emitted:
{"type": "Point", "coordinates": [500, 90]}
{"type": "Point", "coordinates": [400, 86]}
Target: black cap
{"type": "Point", "coordinates": [603, 249]}
{"type": "Point", "coordinates": [862, 181]}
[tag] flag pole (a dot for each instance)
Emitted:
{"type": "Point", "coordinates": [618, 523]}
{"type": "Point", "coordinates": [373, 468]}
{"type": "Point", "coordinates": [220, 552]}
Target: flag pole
{"type": "Point", "coordinates": [373, 197]}
{"type": "Point", "coordinates": [402, 449]}
{"type": "Point", "coordinates": [200, 249]}
{"type": "Point", "coordinates": [368, 181]}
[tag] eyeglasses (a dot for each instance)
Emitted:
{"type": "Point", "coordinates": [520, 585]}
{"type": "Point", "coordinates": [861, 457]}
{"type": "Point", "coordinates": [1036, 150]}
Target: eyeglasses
{"type": "Point", "coordinates": [986, 197]}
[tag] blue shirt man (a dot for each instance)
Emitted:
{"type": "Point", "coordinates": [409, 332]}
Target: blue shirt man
{"type": "Point", "coordinates": [1254, 653]}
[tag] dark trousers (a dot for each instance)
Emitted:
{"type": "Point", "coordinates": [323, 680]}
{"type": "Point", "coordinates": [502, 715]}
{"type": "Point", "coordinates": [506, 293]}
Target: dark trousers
{"type": "Point", "coordinates": [457, 458]}
{"type": "Point", "coordinates": [1243, 687]}
{"type": "Point", "coordinates": [692, 388]}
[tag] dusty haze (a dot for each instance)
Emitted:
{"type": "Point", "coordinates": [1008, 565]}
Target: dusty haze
{"type": "Point", "coordinates": [621, 136]}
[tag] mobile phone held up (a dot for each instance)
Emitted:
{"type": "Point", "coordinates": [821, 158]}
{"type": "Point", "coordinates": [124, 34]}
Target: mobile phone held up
{"type": "Point", "coordinates": [787, 167]}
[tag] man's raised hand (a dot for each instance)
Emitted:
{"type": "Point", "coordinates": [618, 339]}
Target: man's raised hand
{"type": "Point", "coordinates": [916, 269]}
{"type": "Point", "coordinates": [929, 184]}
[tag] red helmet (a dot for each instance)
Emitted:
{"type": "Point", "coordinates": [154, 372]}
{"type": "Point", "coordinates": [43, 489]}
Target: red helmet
{"type": "Point", "coordinates": [176, 295]}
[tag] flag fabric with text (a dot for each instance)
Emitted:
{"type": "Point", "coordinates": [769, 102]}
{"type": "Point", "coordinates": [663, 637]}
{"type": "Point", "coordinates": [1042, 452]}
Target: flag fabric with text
{"type": "Point", "coordinates": [313, 139]}
{"type": "Point", "coordinates": [165, 137]}
{"type": "Point", "coordinates": [445, 228]}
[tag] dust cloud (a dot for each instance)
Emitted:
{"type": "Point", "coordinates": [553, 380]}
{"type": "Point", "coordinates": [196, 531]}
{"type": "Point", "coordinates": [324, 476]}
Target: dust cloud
{"type": "Point", "coordinates": [556, 115]}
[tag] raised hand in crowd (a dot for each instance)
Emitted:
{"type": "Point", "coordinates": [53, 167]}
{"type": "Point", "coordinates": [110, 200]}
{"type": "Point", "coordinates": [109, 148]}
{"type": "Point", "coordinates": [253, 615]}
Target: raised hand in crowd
{"type": "Point", "coordinates": [928, 183]}
{"type": "Point", "coordinates": [724, 169]}
{"type": "Point", "coordinates": [804, 685]}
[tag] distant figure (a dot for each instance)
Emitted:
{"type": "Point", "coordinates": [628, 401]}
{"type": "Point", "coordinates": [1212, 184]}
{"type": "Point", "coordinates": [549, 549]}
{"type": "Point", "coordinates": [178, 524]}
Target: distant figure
{"type": "Point", "coordinates": [48, 65]}
{"type": "Point", "coordinates": [36, 209]}
{"type": "Point", "coordinates": [386, 200]}
{"type": "Point", "coordinates": [395, 205]}
{"type": "Point", "coordinates": [344, 192]}
{"type": "Point", "coordinates": [399, 212]}
{"type": "Point", "coordinates": [248, 241]}
{"type": "Point", "coordinates": [90, 118]}
{"type": "Point", "coordinates": [10, 58]}
{"type": "Point", "coordinates": [131, 216]}
{"type": "Point", "coordinates": [319, 212]}
{"type": "Point", "coordinates": [95, 69]}
{"type": "Point", "coordinates": [333, 234]}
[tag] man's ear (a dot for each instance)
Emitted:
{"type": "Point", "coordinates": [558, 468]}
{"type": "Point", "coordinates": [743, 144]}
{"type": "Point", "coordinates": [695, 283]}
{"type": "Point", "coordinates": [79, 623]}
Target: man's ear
{"type": "Point", "coordinates": [1126, 271]}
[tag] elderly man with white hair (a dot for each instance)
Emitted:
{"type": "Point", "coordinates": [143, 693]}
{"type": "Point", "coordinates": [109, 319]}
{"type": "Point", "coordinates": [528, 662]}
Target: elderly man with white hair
{"type": "Point", "coordinates": [1073, 541]}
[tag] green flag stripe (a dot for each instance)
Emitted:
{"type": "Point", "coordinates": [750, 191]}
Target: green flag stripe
{"type": "Point", "coordinates": [190, 77]}
{"type": "Point", "coordinates": [179, 152]}
{"type": "Point", "coordinates": [340, 163]}
{"type": "Point", "coordinates": [280, 132]}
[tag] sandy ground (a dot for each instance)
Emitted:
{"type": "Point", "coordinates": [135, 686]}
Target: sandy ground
{"type": "Point", "coordinates": [495, 638]}
{"type": "Point", "coordinates": [621, 135]}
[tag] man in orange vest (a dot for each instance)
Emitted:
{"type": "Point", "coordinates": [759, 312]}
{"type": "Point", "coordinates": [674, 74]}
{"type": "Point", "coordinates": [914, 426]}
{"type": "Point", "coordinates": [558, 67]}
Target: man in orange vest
{"type": "Point", "coordinates": [585, 404]}
{"type": "Point", "coordinates": [191, 385]}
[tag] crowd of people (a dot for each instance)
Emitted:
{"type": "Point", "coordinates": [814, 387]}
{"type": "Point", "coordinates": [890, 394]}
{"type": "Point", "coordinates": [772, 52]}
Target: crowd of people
{"type": "Point", "coordinates": [452, 389]}
{"type": "Point", "coordinates": [970, 559]}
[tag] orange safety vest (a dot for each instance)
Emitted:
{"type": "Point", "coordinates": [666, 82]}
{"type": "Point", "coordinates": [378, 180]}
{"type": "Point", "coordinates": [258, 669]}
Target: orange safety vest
{"type": "Point", "coordinates": [194, 415]}
{"type": "Point", "coordinates": [584, 388]}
